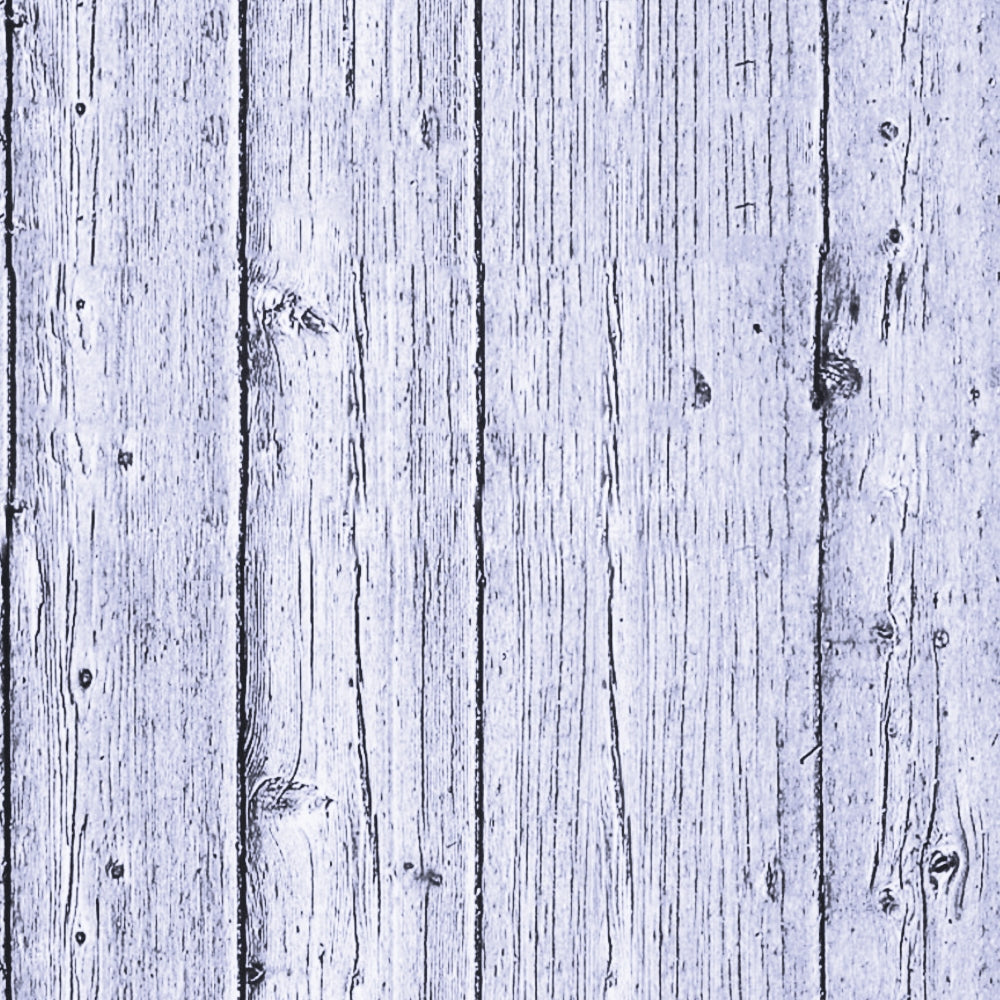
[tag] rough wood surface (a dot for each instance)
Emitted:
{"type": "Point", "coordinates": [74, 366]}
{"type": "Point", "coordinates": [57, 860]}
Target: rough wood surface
{"type": "Point", "coordinates": [911, 598]}
{"type": "Point", "coordinates": [652, 230]}
{"type": "Point", "coordinates": [361, 562]}
{"type": "Point", "coordinates": [123, 539]}
{"type": "Point", "coordinates": [735, 416]}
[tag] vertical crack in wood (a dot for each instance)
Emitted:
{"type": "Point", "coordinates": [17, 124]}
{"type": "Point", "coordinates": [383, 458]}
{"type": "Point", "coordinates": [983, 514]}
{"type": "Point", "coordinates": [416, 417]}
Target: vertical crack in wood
{"type": "Point", "coordinates": [371, 820]}
{"type": "Point", "coordinates": [241, 603]}
{"type": "Point", "coordinates": [477, 240]}
{"type": "Point", "coordinates": [624, 823]}
{"type": "Point", "coordinates": [9, 506]}
{"type": "Point", "coordinates": [926, 872]}
{"type": "Point", "coordinates": [819, 400]}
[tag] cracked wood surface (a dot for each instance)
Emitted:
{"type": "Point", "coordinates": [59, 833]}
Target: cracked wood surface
{"type": "Point", "coordinates": [361, 586]}
{"type": "Point", "coordinates": [737, 659]}
{"type": "Point", "coordinates": [122, 537]}
{"type": "Point", "coordinates": [652, 502]}
{"type": "Point", "coordinates": [911, 595]}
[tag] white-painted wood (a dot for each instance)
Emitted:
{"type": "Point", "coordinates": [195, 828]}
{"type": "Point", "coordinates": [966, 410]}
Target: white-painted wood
{"type": "Point", "coordinates": [652, 229]}
{"type": "Point", "coordinates": [123, 552]}
{"type": "Point", "coordinates": [739, 627]}
{"type": "Point", "coordinates": [911, 594]}
{"type": "Point", "coordinates": [361, 564]}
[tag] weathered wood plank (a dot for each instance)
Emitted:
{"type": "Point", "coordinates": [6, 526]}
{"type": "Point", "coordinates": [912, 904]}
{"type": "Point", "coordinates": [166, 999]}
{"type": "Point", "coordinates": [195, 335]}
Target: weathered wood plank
{"type": "Point", "coordinates": [361, 585]}
{"type": "Point", "coordinates": [911, 598]}
{"type": "Point", "coordinates": [123, 552]}
{"type": "Point", "coordinates": [651, 237]}
{"type": "Point", "coordinates": [7, 324]}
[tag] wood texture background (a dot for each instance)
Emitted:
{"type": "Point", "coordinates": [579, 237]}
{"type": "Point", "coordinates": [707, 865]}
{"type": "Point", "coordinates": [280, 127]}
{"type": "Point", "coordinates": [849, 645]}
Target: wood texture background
{"type": "Point", "coordinates": [500, 499]}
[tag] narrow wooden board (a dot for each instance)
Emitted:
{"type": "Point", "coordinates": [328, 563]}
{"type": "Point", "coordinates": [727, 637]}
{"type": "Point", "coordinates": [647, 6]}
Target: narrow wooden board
{"type": "Point", "coordinates": [7, 324]}
{"type": "Point", "coordinates": [911, 596]}
{"type": "Point", "coordinates": [123, 711]}
{"type": "Point", "coordinates": [361, 559]}
{"type": "Point", "coordinates": [651, 233]}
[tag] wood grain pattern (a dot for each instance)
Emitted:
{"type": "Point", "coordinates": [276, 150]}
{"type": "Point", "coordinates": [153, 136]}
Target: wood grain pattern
{"type": "Point", "coordinates": [911, 596]}
{"type": "Point", "coordinates": [652, 230]}
{"type": "Point", "coordinates": [123, 542]}
{"type": "Point", "coordinates": [612, 606]}
{"type": "Point", "coordinates": [361, 582]}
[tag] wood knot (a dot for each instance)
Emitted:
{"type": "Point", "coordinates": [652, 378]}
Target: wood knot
{"type": "Point", "coordinates": [428, 875]}
{"type": "Point", "coordinates": [285, 312]}
{"type": "Point", "coordinates": [942, 864]}
{"type": "Point", "coordinates": [884, 630]}
{"type": "Point", "coordinates": [702, 390]}
{"type": "Point", "coordinates": [283, 797]}
{"type": "Point", "coordinates": [838, 378]}
{"type": "Point", "coordinates": [772, 881]}
{"type": "Point", "coordinates": [430, 128]}
{"type": "Point", "coordinates": [887, 901]}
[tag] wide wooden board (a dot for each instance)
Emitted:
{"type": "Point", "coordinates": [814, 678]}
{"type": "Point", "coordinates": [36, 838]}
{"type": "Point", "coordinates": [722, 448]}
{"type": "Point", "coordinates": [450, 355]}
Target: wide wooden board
{"type": "Point", "coordinates": [123, 526]}
{"type": "Point", "coordinates": [360, 553]}
{"type": "Point", "coordinates": [651, 232]}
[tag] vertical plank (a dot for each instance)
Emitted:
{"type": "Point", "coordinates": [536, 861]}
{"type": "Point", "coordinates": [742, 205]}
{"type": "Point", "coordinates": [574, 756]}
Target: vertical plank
{"type": "Point", "coordinates": [360, 576]}
{"type": "Point", "coordinates": [6, 455]}
{"type": "Point", "coordinates": [912, 598]}
{"type": "Point", "coordinates": [124, 525]}
{"type": "Point", "coordinates": [651, 235]}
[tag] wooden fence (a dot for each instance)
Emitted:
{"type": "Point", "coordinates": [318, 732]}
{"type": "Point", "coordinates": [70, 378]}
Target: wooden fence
{"type": "Point", "coordinates": [501, 499]}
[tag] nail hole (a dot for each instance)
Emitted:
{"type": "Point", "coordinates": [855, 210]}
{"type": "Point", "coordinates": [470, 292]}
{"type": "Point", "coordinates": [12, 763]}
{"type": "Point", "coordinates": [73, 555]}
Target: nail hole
{"type": "Point", "coordinates": [86, 678]}
{"type": "Point", "coordinates": [80, 107]}
{"type": "Point", "coordinates": [255, 973]}
{"type": "Point", "coordinates": [895, 236]}
{"type": "Point", "coordinates": [80, 937]}
{"type": "Point", "coordinates": [80, 303]}
{"type": "Point", "coordinates": [124, 459]}
{"type": "Point", "coordinates": [888, 131]}
{"type": "Point", "coordinates": [941, 639]}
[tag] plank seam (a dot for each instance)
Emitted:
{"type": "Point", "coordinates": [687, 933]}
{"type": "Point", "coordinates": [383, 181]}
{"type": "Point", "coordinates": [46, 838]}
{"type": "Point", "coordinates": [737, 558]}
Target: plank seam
{"type": "Point", "coordinates": [477, 73]}
{"type": "Point", "coordinates": [9, 509]}
{"type": "Point", "coordinates": [241, 626]}
{"type": "Point", "coordinates": [819, 402]}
